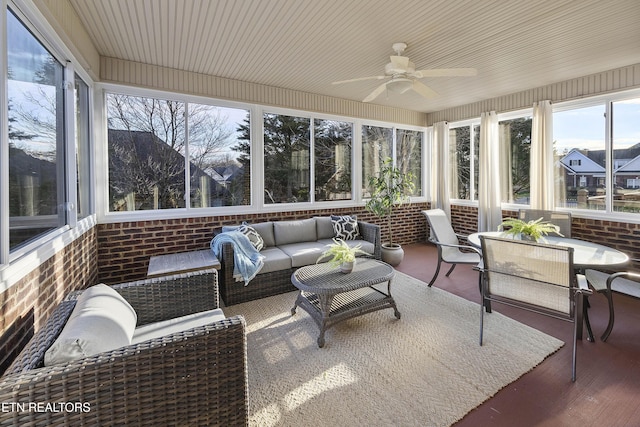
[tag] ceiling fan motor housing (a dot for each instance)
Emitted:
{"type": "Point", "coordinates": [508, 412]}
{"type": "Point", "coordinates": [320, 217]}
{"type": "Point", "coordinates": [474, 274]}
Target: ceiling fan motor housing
{"type": "Point", "coordinates": [395, 67]}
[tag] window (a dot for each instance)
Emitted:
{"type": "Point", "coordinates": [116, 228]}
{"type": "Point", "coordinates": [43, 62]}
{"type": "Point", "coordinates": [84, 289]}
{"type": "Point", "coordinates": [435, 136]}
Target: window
{"type": "Point", "coordinates": [332, 142]}
{"type": "Point", "coordinates": [409, 156]}
{"type": "Point", "coordinates": [626, 154]}
{"type": "Point", "coordinates": [377, 145]}
{"type": "Point", "coordinates": [37, 176]}
{"type": "Point", "coordinates": [148, 144]}
{"type": "Point", "coordinates": [579, 151]}
{"type": "Point", "coordinates": [464, 146]}
{"type": "Point", "coordinates": [287, 148]}
{"type": "Point", "coordinates": [515, 149]}
{"type": "Point", "coordinates": [219, 156]}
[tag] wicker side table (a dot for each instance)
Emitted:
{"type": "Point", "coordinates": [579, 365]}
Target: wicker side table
{"type": "Point", "coordinates": [330, 296]}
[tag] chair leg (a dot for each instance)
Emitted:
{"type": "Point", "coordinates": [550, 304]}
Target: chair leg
{"type": "Point", "coordinates": [573, 354]}
{"type": "Point", "coordinates": [607, 331]}
{"type": "Point", "coordinates": [483, 301]}
{"type": "Point", "coordinates": [585, 317]}
{"type": "Point", "coordinates": [450, 270]}
{"type": "Point", "coordinates": [435, 275]}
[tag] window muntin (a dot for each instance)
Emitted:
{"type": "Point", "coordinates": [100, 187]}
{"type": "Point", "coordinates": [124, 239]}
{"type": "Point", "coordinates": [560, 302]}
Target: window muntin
{"type": "Point", "coordinates": [580, 159]}
{"type": "Point", "coordinates": [464, 146]}
{"type": "Point", "coordinates": [219, 156]}
{"type": "Point", "coordinates": [287, 157]}
{"type": "Point", "coordinates": [36, 172]}
{"type": "Point", "coordinates": [332, 142]}
{"type": "Point", "coordinates": [409, 156]}
{"type": "Point", "coordinates": [82, 144]}
{"type": "Point", "coordinates": [515, 156]}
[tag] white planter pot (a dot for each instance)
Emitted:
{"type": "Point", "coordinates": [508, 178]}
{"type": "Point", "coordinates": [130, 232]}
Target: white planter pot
{"type": "Point", "coordinates": [392, 254]}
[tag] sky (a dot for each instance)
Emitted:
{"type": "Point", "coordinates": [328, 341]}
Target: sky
{"type": "Point", "coordinates": [585, 127]}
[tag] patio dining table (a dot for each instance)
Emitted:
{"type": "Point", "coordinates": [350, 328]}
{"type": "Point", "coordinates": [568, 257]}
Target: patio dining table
{"type": "Point", "coordinates": [585, 254]}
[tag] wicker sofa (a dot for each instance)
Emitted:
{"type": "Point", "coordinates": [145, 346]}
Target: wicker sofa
{"type": "Point", "coordinates": [288, 245]}
{"type": "Point", "coordinates": [193, 377]}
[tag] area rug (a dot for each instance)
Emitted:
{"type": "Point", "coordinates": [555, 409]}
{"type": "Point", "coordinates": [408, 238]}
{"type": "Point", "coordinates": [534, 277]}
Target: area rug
{"type": "Point", "coordinates": [425, 369]}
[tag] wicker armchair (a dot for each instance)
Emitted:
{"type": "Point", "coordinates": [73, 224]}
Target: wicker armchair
{"type": "Point", "coordinates": [194, 377]}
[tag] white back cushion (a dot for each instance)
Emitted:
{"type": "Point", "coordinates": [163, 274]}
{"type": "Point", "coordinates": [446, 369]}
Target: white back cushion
{"type": "Point", "coordinates": [102, 320]}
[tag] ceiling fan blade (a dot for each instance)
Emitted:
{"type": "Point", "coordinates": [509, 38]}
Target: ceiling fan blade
{"type": "Point", "coordinates": [377, 91]}
{"type": "Point", "coordinates": [424, 90]}
{"type": "Point", "coordinates": [360, 79]}
{"type": "Point", "coordinates": [446, 72]}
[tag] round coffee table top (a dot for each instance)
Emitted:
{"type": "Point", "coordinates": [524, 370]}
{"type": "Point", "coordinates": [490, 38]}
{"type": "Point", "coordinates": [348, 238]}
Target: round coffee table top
{"type": "Point", "coordinates": [326, 279]}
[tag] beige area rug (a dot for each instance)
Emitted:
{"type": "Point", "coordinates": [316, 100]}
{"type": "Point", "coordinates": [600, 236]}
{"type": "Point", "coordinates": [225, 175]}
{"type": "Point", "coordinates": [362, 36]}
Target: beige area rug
{"type": "Point", "coordinates": [426, 369]}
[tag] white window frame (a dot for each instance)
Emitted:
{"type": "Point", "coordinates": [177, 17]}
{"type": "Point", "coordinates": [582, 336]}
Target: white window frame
{"type": "Point", "coordinates": [14, 265]}
{"type": "Point", "coordinates": [257, 159]}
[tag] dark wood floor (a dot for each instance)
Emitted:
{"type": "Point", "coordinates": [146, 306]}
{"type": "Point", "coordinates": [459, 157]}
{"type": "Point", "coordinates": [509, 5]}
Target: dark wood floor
{"type": "Point", "coordinates": [607, 389]}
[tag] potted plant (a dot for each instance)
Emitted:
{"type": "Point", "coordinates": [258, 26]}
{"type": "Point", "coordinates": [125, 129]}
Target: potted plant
{"type": "Point", "coordinates": [528, 230]}
{"type": "Point", "coordinates": [341, 255]}
{"type": "Point", "coordinates": [389, 188]}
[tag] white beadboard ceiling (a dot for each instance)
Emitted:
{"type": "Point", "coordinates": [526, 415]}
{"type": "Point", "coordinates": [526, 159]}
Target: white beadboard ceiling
{"type": "Point", "coordinates": [307, 44]}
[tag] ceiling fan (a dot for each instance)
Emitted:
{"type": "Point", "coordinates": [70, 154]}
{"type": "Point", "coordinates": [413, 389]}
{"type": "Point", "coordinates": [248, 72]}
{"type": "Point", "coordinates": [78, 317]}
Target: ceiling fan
{"type": "Point", "coordinates": [403, 76]}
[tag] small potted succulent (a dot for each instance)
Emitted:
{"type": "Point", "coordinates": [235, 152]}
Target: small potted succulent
{"type": "Point", "coordinates": [528, 230]}
{"type": "Point", "coordinates": [341, 254]}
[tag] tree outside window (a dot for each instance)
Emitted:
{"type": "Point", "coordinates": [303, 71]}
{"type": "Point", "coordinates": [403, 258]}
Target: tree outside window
{"type": "Point", "coordinates": [287, 174]}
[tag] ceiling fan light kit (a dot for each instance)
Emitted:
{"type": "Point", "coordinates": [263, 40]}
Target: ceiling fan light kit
{"type": "Point", "coordinates": [400, 85]}
{"type": "Point", "coordinates": [403, 76]}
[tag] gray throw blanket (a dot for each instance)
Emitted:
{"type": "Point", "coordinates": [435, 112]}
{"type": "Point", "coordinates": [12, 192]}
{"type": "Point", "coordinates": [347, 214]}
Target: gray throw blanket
{"type": "Point", "coordinates": [247, 259]}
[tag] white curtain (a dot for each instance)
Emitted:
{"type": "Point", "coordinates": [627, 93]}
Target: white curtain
{"type": "Point", "coordinates": [441, 167]}
{"type": "Point", "coordinates": [489, 210]}
{"type": "Point", "coordinates": [541, 175]}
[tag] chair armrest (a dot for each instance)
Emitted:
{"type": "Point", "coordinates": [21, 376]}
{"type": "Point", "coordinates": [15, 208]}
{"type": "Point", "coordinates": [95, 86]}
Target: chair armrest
{"type": "Point", "coordinates": [466, 247]}
{"type": "Point", "coordinates": [371, 233]}
{"type": "Point", "coordinates": [194, 377]}
{"type": "Point", "coordinates": [583, 285]}
{"type": "Point", "coordinates": [168, 297]}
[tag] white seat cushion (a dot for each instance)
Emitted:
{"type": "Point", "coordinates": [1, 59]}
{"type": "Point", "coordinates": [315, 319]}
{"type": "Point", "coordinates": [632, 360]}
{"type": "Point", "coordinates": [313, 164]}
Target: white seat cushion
{"type": "Point", "coordinates": [179, 324]}
{"type": "Point", "coordinates": [102, 320]}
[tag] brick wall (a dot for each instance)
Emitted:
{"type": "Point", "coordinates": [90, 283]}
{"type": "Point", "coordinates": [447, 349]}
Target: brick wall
{"type": "Point", "coordinates": [29, 302]}
{"type": "Point", "coordinates": [124, 248]}
{"type": "Point", "coordinates": [115, 253]}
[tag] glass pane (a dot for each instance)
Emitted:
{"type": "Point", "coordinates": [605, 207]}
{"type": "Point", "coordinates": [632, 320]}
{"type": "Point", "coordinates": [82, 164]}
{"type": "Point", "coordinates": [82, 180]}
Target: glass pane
{"type": "Point", "coordinates": [460, 161]}
{"type": "Point", "coordinates": [377, 145]}
{"type": "Point", "coordinates": [146, 153]}
{"type": "Point", "coordinates": [36, 136]}
{"type": "Point", "coordinates": [515, 148]}
{"type": "Point", "coordinates": [82, 147]}
{"type": "Point", "coordinates": [286, 159]}
{"type": "Point", "coordinates": [579, 150]}
{"type": "Point", "coordinates": [219, 154]}
{"type": "Point", "coordinates": [332, 159]}
{"type": "Point", "coordinates": [409, 156]}
{"type": "Point", "coordinates": [626, 155]}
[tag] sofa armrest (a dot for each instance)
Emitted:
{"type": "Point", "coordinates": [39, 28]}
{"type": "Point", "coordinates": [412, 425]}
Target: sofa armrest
{"type": "Point", "coordinates": [168, 297]}
{"type": "Point", "coordinates": [371, 233]}
{"type": "Point", "coordinates": [194, 377]}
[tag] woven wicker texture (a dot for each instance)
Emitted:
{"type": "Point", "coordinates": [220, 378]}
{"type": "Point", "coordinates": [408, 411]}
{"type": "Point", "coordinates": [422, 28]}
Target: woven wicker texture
{"type": "Point", "coordinates": [425, 369]}
{"type": "Point", "coordinates": [276, 282]}
{"type": "Point", "coordinates": [195, 377]}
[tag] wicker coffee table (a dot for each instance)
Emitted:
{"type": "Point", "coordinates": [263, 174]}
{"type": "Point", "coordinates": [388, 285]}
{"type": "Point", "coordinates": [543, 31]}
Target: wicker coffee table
{"type": "Point", "coordinates": [330, 296]}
